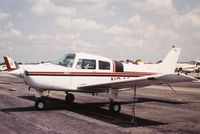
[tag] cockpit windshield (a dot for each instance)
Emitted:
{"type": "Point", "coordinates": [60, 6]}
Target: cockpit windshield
{"type": "Point", "coordinates": [66, 60]}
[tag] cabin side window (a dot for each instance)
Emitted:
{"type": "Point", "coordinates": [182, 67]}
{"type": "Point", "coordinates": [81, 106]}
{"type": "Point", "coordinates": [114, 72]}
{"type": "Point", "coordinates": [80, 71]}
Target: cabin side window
{"type": "Point", "coordinates": [86, 64]}
{"type": "Point", "coordinates": [104, 65]}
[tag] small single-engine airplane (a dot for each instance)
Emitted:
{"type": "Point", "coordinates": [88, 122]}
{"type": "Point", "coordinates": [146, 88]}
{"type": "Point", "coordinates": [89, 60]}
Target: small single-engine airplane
{"type": "Point", "coordinates": [187, 67]}
{"type": "Point", "coordinates": [87, 73]}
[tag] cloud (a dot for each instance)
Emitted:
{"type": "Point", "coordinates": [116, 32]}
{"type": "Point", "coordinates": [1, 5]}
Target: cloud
{"type": "Point", "coordinates": [58, 42]}
{"type": "Point", "coordinates": [188, 19]}
{"type": "Point", "coordinates": [98, 6]}
{"type": "Point", "coordinates": [9, 38]}
{"type": "Point", "coordinates": [3, 15]}
{"type": "Point", "coordinates": [132, 30]}
{"type": "Point", "coordinates": [56, 39]}
{"type": "Point", "coordinates": [127, 42]}
{"type": "Point", "coordinates": [117, 30]}
{"type": "Point", "coordinates": [46, 7]}
{"type": "Point", "coordinates": [134, 20]}
{"type": "Point", "coordinates": [95, 1]}
{"type": "Point", "coordinates": [81, 24]}
{"type": "Point", "coordinates": [42, 46]}
{"type": "Point", "coordinates": [154, 6]}
{"type": "Point", "coordinates": [9, 31]}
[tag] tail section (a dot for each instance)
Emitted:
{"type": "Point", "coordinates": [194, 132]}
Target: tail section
{"type": "Point", "coordinates": [169, 63]}
{"type": "Point", "coordinates": [10, 63]}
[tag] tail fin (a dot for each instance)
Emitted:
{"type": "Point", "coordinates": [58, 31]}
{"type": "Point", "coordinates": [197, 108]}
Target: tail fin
{"type": "Point", "coordinates": [10, 63]}
{"type": "Point", "coordinates": [168, 65]}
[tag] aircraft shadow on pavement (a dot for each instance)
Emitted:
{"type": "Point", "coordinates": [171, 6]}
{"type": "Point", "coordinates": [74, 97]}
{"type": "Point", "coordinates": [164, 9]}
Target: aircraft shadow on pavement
{"type": "Point", "coordinates": [94, 110]}
{"type": "Point", "coordinates": [142, 100]}
{"type": "Point", "coordinates": [8, 82]}
{"type": "Point", "coordinates": [4, 88]}
{"type": "Point", "coordinates": [3, 82]}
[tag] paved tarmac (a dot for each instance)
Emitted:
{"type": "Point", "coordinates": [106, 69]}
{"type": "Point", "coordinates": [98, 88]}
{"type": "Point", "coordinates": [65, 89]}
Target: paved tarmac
{"type": "Point", "coordinates": [158, 110]}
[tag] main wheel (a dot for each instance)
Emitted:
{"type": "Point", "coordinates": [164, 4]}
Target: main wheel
{"type": "Point", "coordinates": [40, 104]}
{"type": "Point", "coordinates": [115, 107]}
{"type": "Point", "coordinates": [69, 98]}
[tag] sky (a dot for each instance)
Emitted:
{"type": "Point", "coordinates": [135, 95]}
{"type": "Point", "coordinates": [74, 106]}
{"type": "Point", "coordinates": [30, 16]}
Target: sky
{"type": "Point", "coordinates": [42, 30]}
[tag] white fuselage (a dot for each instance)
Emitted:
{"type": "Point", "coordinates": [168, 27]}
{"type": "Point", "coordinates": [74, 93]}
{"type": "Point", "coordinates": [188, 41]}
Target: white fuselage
{"type": "Point", "coordinates": [51, 76]}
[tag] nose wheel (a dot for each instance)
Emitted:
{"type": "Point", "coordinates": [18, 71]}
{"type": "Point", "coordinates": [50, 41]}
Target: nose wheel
{"type": "Point", "coordinates": [69, 98]}
{"type": "Point", "coordinates": [115, 107]}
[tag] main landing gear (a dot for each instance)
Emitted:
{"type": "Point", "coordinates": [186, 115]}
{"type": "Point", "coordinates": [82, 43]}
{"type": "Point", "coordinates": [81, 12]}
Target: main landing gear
{"type": "Point", "coordinates": [69, 98]}
{"type": "Point", "coordinates": [115, 107]}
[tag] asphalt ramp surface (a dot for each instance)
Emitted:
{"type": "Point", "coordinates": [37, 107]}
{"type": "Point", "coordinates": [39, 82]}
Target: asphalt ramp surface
{"type": "Point", "coordinates": [157, 110]}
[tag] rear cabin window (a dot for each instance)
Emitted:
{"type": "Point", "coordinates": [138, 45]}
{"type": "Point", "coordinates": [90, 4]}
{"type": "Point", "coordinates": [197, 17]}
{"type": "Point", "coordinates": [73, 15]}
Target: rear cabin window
{"type": "Point", "coordinates": [119, 67]}
{"type": "Point", "coordinates": [86, 64]}
{"type": "Point", "coordinates": [104, 65]}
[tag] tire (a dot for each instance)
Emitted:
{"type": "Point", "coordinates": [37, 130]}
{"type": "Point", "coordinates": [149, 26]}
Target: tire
{"type": "Point", "coordinates": [115, 107]}
{"type": "Point", "coordinates": [40, 104]}
{"type": "Point", "coordinates": [69, 98]}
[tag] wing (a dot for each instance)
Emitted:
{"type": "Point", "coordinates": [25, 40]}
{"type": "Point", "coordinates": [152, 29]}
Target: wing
{"type": "Point", "coordinates": [138, 81]}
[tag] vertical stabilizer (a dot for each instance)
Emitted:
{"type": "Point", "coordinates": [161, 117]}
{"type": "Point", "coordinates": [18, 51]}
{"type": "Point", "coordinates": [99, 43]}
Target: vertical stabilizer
{"type": "Point", "coordinates": [169, 63]}
{"type": "Point", "coordinates": [10, 63]}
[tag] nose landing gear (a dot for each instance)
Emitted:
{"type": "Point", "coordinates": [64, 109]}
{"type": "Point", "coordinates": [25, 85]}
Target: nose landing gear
{"type": "Point", "coordinates": [40, 104]}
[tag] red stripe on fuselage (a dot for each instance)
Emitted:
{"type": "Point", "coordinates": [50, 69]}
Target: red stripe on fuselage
{"type": "Point", "coordinates": [126, 74]}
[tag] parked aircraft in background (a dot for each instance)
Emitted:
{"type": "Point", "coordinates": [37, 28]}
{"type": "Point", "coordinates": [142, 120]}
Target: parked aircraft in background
{"type": "Point", "coordinates": [188, 67]}
{"type": "Point", "coordinates": [3, 67]}
{"type": "Point", "coordinates": [87, 73]}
